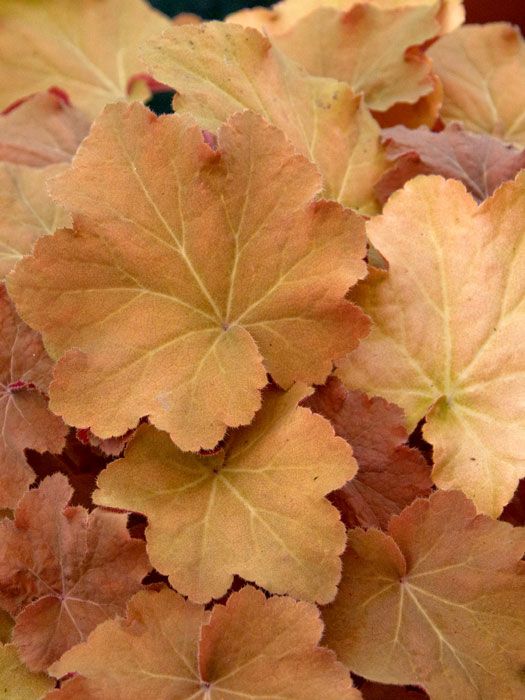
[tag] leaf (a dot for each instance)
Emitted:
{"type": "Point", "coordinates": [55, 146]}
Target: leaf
{"type": "Point", "coordinates": [89, 49]}
{"type": "Point", "coordinates": [285, 14]}
{"type": "Point", "coordinates": [16, 681]}
{"type": "Point", "coordinates": [267, 483]}
{"type": "Point", "coordinates": [480, 162]}
{"type": "Point", "coordinates": [162, 328]}
{"type": "Point", "coordinates": [44, 129]}
{"type": "Point", "coordinates": [251, 648]}
{"type": "Point", "coordinates": [371, 49]}
{"type": "Point", "coordinates": [323, 119]}
{"type": "Point", "coordinates": [63, 571]}
{"type": "Point", "coordinates": [391, 475]}
{"type": "Point", "coordinates": [448, 324]}
{"type": "Point", "coordinates": [27, 211]}
{"type": "Point", "coordinates": [482, 68]}
{"type": "Point", "coordinates": [439, 602]}
{"type": "Point", "coordinates": [27, 423]}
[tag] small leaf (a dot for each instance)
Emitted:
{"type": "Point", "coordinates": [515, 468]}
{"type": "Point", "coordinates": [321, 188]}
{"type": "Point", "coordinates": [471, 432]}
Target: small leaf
{"type": "Point", "coordinates": [16, 681]}
{"type": "Point", "coordinates": [63, 571]}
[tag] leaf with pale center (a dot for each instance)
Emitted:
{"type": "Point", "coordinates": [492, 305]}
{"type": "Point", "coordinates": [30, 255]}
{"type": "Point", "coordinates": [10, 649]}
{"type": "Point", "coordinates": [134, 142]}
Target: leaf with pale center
{"type": "Point", "coordinates": [322, 117]}
{"type": "Point", "coordinates": [89, 49]}
{"type": "Point", "coordinates": [438, 602]}
{"type": "Point", "coordinates": [191, 274]}
{"type": "Point", "coordinates": [482, 68]}
{"type": "Point", "coordinates": [449, 328]}
{"type": "Point", "coordinates": [27, 422]}
{"type": "Point", "coordinates": [256, 508]}
{"type": "Point", "coordinates": [252, 647]}
{"type": "Point", "coordinates": [64, 570]}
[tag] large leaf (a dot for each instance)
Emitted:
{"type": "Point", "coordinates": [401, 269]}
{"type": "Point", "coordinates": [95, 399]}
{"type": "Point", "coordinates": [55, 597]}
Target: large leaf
{"type": "Point", "coordinates": [90, 49]}
{"type": "Point", "coordinates": [63, 571]}
{"type": "Point", "coordinates": [448, 330]}
{"type": "Point", "coordinates": [322, 117]}
{"type": "Point", "coordinates": [251, 648]}
{"type": "Point", "coordinates": [483, 72]}
{"type": "Point", "coordinates": [439, 602]}
{"type": "Point", "coordinates": [191, 274]}
{"type": "Point", "coordinates": [367, 48]}
{"type": "Point", "coordinates": [27, 423]}
{"type": "Point", "coordinates": [255, 508]}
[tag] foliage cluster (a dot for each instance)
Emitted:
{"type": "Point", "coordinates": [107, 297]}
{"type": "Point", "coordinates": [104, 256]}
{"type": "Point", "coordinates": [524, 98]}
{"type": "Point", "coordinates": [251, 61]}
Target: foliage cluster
{"type": "Point", "coordinates": [263, 382]}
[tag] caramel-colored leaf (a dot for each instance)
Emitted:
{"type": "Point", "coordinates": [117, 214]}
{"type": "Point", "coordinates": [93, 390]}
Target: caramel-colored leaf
{"type": "Point", "coordinates": [27, 210]}
{"type": "Point", "coordinates": [284, 15]}
{"type": "Point", "coordinates": [322, 117]}
{"type": "Point", "coordinates": [480, 162]}
{"type": "Point", "coordinates": [391, 475]}
{"type": "Point", "coordinates": [191, 274]}
{"type": "Point", "coordinates": [16, 681]}
{"type": "Point", "coordinates": [368, 48]}
{"type": "Point", "coordinates": [252, 647]}
{"type": "Point", "coordinates": [439, 602]}
{"type": "Point", "coordinates": [42, 130]}
{"type": "Point", "coordinates": [256, 508]}
{"type": "Point", "coordinates": [449, 325]}
{"type": "Point", "coordinates": [63, 571]}
{"type": "Point", "coordinates": [90, 49]}
{"type": "Point", "coordinates": [482, 68]}
{"type": "Point", "coordinates": [27, 423]}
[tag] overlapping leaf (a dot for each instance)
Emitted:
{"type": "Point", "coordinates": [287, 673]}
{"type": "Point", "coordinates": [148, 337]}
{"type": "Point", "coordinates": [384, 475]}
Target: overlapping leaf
{"type": "Point", "coordinates": [27, 423]}
{"type": "Point", "coordinates": [27, 211]}
{"type": "Point", "coordinates": [89, 49]}
{"type": "Point", "coordinates": [367, 48]}
{"type": "Point", "coordinates": [439, 602]}
{"type": "Point", "coordinates": [190, 275]}
{"type": "Point", "coordinates": [448, 330]}
{"type": "Point", "coordinates": [42, 130]}
{"type": "Point", "coordinates": [285, 14]}
{"type": "Point", "coordinates": [268, 484]}
{"type": "Point", "coordinates": [63, 571]}
{"type": "Point", "coordinates": [322, 117]}
{"type": "Point", "coordinates": [480, 162]}
{"type": "Point", "coordinates": [251, 648]}
{"type": "Point", "coordinates": [16, 681]}
{"type": "Point", "coordinates": [391, 475]}
{"type": "Point", "coordinates": [483, 72]}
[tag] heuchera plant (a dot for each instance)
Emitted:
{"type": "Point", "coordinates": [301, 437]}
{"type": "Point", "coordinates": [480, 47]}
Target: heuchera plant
{"type": "Point", "coordinates": [263, 381]}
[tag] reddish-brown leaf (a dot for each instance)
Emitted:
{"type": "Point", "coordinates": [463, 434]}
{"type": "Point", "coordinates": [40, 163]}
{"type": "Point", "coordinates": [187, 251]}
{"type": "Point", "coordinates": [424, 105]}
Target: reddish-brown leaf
{"type": "Point", "coordinates": [63, 571]}
{"type": "Point", "coordinates": [27, 423]}
{"type": "Point", "coordinates": [481, 162]}
{"type": "Point", "coordinates": [391, 474]}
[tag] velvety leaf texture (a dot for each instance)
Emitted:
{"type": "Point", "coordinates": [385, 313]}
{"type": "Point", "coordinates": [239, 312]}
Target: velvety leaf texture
{"type": "Point", "coordinates": [251, 647]}
{"type": "Point", "coordinates": [157, 326]}
{"type": "Point", "coordinates": [268, 483]}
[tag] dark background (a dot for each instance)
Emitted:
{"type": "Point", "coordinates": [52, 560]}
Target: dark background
{"type": "Point", "coordinates": [477, 10]}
